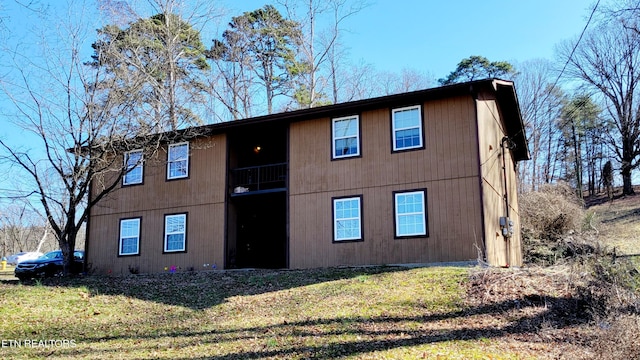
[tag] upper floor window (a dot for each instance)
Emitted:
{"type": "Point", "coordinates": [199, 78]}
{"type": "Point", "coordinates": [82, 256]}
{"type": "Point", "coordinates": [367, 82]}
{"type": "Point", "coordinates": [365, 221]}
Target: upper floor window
{"type": "Point", "coordinates": [175, 233]}
{"type": "Point", "coordinates": [134, 168]}
{"type": "Point", "coordinates": [178, 161]}
{"type": "Point", "coordinates": [129, 237]}
{"type": "Point", "coordinates": [346, 137]}
{"type": "Point", "coordinates": [407, 128]}
{"type": "Point", "coordinates": [347, 218]}
{"type": "Point", "coordinates": [410, 213]}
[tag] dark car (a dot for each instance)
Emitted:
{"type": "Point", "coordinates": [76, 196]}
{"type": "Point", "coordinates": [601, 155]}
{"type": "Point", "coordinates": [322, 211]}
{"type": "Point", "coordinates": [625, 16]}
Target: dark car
{"type": "Point", "coordinates": [49, 264]}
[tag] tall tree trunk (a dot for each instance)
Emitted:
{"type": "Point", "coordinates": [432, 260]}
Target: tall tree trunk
{"type": "Point", "coordinates": [173, 118]}
{"type": "Point", "coordinates": [627, 186]}
{"type": "Point", "coordinates": [269, 88]}
{"type": "Point", "coordinates": [334, 77]}
{"type": "Point", "coordinates": [577, 163]}
{"type": "Point", "coordinates": [548, 166]}
{"type": "Point", "coordinates": [311, 59]}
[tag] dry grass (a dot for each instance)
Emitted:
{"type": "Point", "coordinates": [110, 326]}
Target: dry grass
{"type": "Point", "coordinates": [370, 313]}
{"type": "Point", "coordinates": [586, 309]}
{"type": "Point", "coordinates": [366, 313]}
{"type": "Point", "coordinates": [538, 308]}
{"type": "Point", "coordinates": [618, 223]}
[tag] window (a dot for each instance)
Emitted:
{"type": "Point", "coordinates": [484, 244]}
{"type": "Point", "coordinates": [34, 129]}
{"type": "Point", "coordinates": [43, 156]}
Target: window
{"type": "Point", "coordinates": [178, 161]}
{"type": "Point", "coordinates": [175, 233]}
{"type": "Point", "coordinates": [347, 218]}
{"type": "Point", "coordinates": [346, 137]}
{"type": "Point", "coordinates": [407, 128]}
{"type": "Point", "coordinates": [133, 161]}
{"type": "Point", "coordinates": [410, 213]}
{"type": "Point", "coordinates": [129, 237]}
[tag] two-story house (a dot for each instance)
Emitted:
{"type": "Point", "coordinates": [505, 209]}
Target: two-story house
{"type": "Point", "coordinates": [421, 177]}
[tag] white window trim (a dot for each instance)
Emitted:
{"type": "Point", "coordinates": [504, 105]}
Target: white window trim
{"type": "Point", "coordinates": [335, 138]}
{"type": "Point", "coordinates": [169, 161]}
{"type": "Point", "coordinates": [335, 219]}
{"type": "Point", "coordinates": [423, 213]}
{"type": "Point", "coordinates": [395, 130]}
{"type": "Point", "coordinates": [122, 221]}
{"type": "Point", "coordinates": [128, 170]}
{"type": "Point", "coordinates": [166, 233]}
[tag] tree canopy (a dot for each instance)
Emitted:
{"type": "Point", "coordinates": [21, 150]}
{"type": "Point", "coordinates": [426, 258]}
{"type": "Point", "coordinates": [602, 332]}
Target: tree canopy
{"type": "Point", "coordinates": [263, 42]}
{"type": "Point", "coordinates": [581, 128]}
{"type": "Point", "coordinates": [163, 59]}
{"type": "Point", "coordinates": [475, 68]}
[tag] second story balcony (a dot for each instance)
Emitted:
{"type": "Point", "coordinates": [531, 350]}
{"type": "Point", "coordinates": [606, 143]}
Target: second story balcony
{"type": "Point", "coordinates": [264, 178]}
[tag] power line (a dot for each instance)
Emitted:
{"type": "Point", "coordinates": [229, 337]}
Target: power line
{"type": "Point", "coordinates": [575, 46]}
{"type": "Point", "coordinates": [19, 194]}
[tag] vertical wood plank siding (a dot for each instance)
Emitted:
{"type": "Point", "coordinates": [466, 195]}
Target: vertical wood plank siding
{"type": "Point", "coordinates": [202, 196]}
{"type": "Point", "coordinates": [447, 168]}
{"type": "Point", "coordinates": [491, 130]}
{"type": "Point", "coordinates": [460, 167]}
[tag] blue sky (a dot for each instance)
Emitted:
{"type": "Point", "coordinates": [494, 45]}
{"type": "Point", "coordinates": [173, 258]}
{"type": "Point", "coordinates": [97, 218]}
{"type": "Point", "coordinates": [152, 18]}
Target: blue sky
{"type": "Point", "coordinates": [433, 35]}
{"type": "Point", "coordinates": [436, 35]}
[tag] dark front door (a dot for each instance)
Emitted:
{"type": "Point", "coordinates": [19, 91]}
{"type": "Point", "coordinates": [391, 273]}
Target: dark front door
{"type": "Point", "coordinates": [261, 230]}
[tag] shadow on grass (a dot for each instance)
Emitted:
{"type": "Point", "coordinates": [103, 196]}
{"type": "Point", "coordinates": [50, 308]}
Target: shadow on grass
{"type": "Point", "coordinates": [202, 290]}
{"type": "Point", "coordinates": [350, 336]}
{"type": "Point", "coordinates": [626, 215]}
{"type": "Point", "coordinates": [314, 337]}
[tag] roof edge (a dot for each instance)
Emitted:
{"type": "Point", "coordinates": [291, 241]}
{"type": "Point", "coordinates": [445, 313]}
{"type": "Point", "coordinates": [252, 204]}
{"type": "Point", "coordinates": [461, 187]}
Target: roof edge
{"type": "Point", "coordinates": [504, 90]}
{"type": "Point", "coordinates": [510, 106]}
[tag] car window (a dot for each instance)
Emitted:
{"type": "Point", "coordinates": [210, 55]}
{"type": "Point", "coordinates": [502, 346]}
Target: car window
{"type": "Point", "coordinates": [78, 255]}
{"type": "Point", "coordinates": [52, 255]}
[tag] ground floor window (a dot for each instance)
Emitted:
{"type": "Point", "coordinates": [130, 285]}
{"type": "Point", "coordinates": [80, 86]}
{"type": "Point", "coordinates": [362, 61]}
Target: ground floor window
{"type": "Point", "coordinates": [175, 233]}
{"type": "Point", "coordinates": [129, 237]}
{"type": "Point", "coordinates": [410, 213]}
{"type": "Point", "coordinates": [347, 218]}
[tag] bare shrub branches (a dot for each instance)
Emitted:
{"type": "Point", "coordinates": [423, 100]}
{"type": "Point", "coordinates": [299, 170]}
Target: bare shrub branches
{"type": "Point", "coordinates": [551, 212]}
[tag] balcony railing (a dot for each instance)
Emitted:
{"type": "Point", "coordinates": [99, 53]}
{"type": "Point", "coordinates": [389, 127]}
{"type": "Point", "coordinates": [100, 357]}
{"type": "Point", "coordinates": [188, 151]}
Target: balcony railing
{"type": "Point", "coordinates": [257, 178]}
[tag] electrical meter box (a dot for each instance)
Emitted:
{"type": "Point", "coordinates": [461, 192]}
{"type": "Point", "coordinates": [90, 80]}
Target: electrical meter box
{"type": "Point", "coordinates": [506, 226]}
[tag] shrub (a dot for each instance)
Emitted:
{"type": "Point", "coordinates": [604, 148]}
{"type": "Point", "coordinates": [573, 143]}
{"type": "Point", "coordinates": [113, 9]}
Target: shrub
{"type": "Point", "coordinates": [548, 217]}
{"type": "Point", "coordinates": [614, 305]}
{"type": "Point", "coordinates": [551, 212]}
{"type": "Point", "coordinates": [134, 269]}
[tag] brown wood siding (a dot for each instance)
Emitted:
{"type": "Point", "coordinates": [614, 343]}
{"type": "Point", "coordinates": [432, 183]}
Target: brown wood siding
{"type": "Point", "coordinates": [202, 196]}
{"type": "Point", "coordinates": [460, 195]}
{"type": "Point", "coordinates": [447, 168]}
{"type": "Point", "coordinates": [491, 130]}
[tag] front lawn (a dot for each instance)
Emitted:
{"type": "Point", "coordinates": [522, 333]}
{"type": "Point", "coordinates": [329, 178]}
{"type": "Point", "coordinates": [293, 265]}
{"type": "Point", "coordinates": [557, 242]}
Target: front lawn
{"type": "Point", "coordinates": [378, 312]}
{"type": "Point", "coordinates": [349, 313]}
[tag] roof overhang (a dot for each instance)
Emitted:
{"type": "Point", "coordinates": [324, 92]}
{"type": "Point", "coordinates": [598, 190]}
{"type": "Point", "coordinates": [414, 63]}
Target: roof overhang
{"type": "Point", "coordinates": [512, 118]}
